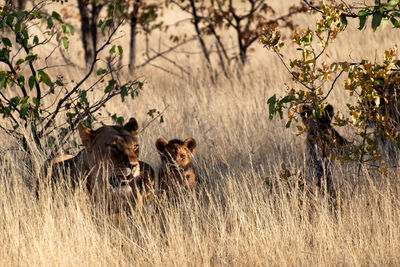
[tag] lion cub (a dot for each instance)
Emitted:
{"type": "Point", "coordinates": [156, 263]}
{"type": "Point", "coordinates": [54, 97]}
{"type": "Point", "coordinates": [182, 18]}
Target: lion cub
{"type": "Point", "coordinates": [176, 168]}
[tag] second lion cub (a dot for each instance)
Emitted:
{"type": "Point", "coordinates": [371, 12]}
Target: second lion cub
{"type": "Point", "coordinates": [176, 168]}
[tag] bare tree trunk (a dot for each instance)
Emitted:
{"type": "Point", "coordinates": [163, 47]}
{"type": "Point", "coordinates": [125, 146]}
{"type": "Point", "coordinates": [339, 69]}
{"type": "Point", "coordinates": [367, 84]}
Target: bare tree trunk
{"type": "Point", "coordinates": [21, 4]}
{"type": "Point", "coordinates": [198, 32]}
{"type": "Point", "coordinates": [89, 28]}
{"type": "Point", "coordinates": [132, 44]}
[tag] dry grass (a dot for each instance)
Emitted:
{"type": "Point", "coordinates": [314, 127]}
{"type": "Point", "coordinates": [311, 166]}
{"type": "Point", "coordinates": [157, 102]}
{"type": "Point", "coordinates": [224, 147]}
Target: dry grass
{"type": "Point", "coordinates": [237, 220]}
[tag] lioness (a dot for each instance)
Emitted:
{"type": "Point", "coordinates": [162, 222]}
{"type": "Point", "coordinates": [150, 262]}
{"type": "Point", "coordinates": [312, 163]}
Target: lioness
{"type": "Point", "coordinates": [109, 164]}
{"type": "Point", "coordinates": [176, 168]}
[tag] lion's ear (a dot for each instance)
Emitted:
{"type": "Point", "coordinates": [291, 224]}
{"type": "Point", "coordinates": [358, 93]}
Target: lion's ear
{"type": "Point", "coordinates": [86, 134]}
{"type": "Point", "coordinates": [132, 125]}
{"type": "Point", "coordinates": [161, 143]}
{"type": "Point", "coordinates": [190, 143]}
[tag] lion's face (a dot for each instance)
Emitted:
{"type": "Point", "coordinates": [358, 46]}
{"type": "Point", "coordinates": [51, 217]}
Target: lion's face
{"type": "Point", "coordinates": [114, 150]}
{"type": "Point", "coordinates": [176, 152]}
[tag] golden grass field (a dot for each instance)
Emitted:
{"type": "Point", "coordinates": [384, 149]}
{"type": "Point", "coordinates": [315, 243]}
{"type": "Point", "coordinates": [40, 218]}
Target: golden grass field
{"type": "Point", "coordinates": [237, 220]}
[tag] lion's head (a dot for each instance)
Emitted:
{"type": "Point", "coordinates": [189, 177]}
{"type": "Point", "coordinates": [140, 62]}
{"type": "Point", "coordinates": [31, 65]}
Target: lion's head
{"type": "Point", "coordinates": [111, 152]}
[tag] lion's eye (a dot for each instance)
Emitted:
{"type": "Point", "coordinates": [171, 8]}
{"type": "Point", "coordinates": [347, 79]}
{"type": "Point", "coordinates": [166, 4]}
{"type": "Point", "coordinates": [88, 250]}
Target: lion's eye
{"type": "Point", "coordinates": [182, 156]}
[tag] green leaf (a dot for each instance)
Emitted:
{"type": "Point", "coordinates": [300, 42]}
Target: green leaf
{"type": "Point", "coordinates": [10, 19]}
{"type": "Point", "coordinates": [36, 101]}
{"type": "Point", "coordinates": [376, 20]}
{"type": "Point", "coordinates": [271, 106]}
{"type": "Point", "coordinates": [102, 24]}
{"type": "Point", "coordinates": [120, 50]}
{"type": "Point", "coordinates": [45, 78]}
{"type": "Point", "coordinates": [124, 93]}
{"type": "Point", "coordinates": [395, 22]}
{"type": "Point", "coordinates": [21, 80]}
{"type": "Point", "coordinates": [20, 61]}
{"type": "Point", "coordinates": [393, 3]}
{"type": "Point", "coordinates": [2, 82]}
{"type": "Point", "coordinates": [24, 109]}
{"type": "Point", "coordinates": [395, 14]}
{"type": "Point", "coordinates": [65, 42]}
{"type": "Point", "coordinates": [56, 16]}
{"type": "Point", "coordinates": [343, 19]}
{"type": "Point", "coordinates": [26, 36]}
{"type": "Point", "coordinates": [17, 28]}
{"type": "Point", "coordinates": [110, 86]}
{"type": "Point", "coordinates": [363, 19]}
{"type": "Point", "coordinates": [31, 81]}
{"type": "Point", "coordinates": [112, 50]}
{"type": "Point", "coordinates": [59, 83]}
{"type": "Point", "coordinates": [101, 71]}
{"type": "Point", "coordinates": [36, 14]}
{"type": "Point", "coordinates": [35, 40]}
{"type": "Point", "coordinates": [6, 41]}
{"type": "Point", "coordinates": [363, 13]}
{"type": "Point", "coordinates": [50, 23]}
{"type": "Point", "coordinates": [83, 96]}
{"type": "Point", "coordinates": [30, 57]}
{"type": "Point", "coordinates": [71, 29]}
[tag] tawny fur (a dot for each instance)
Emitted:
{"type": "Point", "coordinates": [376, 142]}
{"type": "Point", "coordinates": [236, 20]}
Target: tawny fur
{"type": "Point", "coordinates": [176, 168]}
{"type": "Point", "coordinates": [108, 164]}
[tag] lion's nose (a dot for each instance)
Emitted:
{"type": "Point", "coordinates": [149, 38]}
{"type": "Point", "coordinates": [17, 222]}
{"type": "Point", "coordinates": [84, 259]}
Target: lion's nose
{"type": "Point", "coordinates": [124, 183]}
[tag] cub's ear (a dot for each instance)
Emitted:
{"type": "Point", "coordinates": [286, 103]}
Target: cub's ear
{"type": "Point", "coordinates": [132, 125]}
{"type": "Point", "coordinates": [190, 143]}
{"type": "Point", "coordinates": [329, 111]}
{"type": "Point", "coordinates": [86, 134]}
{"type": "Point", "coordinates": [161, 143]}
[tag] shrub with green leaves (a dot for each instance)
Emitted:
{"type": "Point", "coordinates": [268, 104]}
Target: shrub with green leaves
{"type": "Point", "coordinates": [374, 87]}
{"type": "Point", "coordinates": [34, 93]}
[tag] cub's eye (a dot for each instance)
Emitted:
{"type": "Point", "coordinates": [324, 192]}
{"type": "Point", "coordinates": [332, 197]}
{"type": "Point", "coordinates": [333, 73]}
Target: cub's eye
{"type": "Point", "coordinates": [182, 156]}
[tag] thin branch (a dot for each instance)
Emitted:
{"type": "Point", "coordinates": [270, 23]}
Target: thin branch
{"type": "Point", "coordinates": [173, 63]}
{"type": "Point", "coordinates": [287, 68]}
{"type": "Point", "coordinates": [15, 73]}
{"type": "Point", "coordinates": [164, 52]}
{"type": "Point", "coordinates": [332, 85]}
{"type": "Point", "coordinates": [166, 70]}
{"type": "Point", "coordinates": [95, 59]}
{"type": "Point", "coordinates": [153, 119]}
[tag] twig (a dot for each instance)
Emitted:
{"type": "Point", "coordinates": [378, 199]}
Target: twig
{"type": "Point", "coordinates": [149, 59]}
{"type": "Point", "coordinates": [95, 59]}
{"type": "Point", "coordinates": [153, 119]}
{"type": "Point", "coordinates": [333, 83]}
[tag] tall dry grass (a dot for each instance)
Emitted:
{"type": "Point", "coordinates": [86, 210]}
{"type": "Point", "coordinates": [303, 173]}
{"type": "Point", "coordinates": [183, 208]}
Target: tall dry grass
{"type": "Point", "coordinates": [236, 219]}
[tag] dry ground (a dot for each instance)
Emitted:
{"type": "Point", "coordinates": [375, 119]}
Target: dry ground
{"type": "Point", "coordinates": [237, 220]}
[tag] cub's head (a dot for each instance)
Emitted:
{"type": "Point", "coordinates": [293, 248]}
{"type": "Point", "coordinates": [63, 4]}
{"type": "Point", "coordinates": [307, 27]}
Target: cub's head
{"type": "Point", "coordinates": [176, 152]}
{"type": "Point", "coordinates": [313, 119]}
{"type": "Point", "coordinates": [114, 149]}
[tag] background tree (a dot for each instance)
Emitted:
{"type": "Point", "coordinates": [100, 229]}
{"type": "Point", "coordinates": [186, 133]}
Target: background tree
{"type": "Point", "coordinates": [89, 11]}
{"type": "Point", "coordinates": [215, 17]}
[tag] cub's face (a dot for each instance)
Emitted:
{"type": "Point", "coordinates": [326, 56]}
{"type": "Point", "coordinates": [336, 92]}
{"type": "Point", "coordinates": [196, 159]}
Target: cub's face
{"type": "Point", "coordinates": [115, 149]}
{"type": "Point", "coordinates": [320, 121]}
{"type": "Point", "coordinates": [176, 152]}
